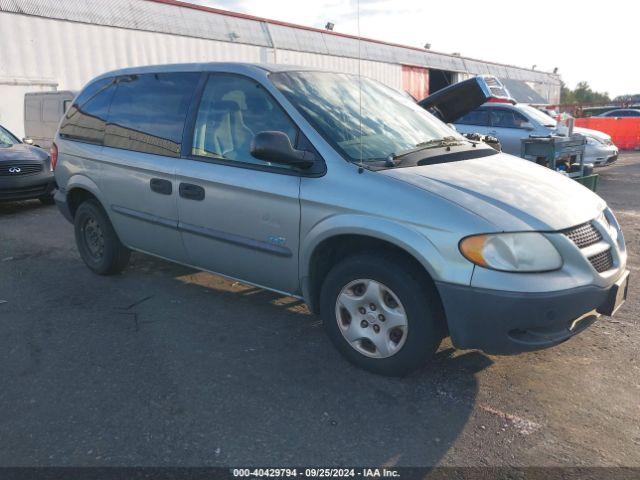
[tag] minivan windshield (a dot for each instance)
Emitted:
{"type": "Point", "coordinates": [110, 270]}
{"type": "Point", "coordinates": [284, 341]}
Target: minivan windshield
{"type": "Point", "coordinates": [540, 117]}
{"type": "Point", "coordinates": [391, 123]}
{"type": "Point", "coordinates": [7, 139]}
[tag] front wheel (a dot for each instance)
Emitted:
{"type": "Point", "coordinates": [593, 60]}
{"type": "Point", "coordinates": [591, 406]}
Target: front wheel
{"type": "Point", "coordinates": [381, 313]}
{"type": "Point", "coordinates": [97, 241]}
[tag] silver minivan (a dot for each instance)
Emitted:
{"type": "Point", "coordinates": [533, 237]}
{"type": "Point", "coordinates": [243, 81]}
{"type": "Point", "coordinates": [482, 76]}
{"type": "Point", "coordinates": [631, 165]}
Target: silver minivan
{"type": "Point", "coordinates": [340, 191]}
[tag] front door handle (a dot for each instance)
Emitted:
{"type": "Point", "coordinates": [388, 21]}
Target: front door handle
{"type": "Point", "coordinates": [191, 191]}
{"type": "Point", "coordinates": [159, 185]}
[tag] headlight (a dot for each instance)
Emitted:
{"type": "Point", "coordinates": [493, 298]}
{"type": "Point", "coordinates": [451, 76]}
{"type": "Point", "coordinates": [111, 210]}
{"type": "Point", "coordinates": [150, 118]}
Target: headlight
{"type": "Point", "coordinates": [609, 221]}
{"type": "Point", "coordinates": [512, 252]}
{"type": "Point", "coordinates": [593, 141]}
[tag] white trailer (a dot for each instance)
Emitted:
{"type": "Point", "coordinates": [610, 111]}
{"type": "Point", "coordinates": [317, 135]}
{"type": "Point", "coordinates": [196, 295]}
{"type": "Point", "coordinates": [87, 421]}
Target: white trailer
{"type": "Point", "coordinates": [42, 114]}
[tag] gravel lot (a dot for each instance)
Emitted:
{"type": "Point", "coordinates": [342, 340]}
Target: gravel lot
{"type": "Point", "coordinates": [164, 365]}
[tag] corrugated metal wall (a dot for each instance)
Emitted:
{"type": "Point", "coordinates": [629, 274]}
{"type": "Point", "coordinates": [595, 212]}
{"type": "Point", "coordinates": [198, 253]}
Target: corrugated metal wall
{"type": "Point", "coordinates": [150, 15]}
{"type": "Point", "coordinates": [69, 42]}
{"type": "Point", "coordinates": [71, 53]}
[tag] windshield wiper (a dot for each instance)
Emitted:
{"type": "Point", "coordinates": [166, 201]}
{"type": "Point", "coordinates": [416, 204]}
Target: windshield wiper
{"type": "Point", "coordinates": [448, 141]}
{"type": "Point", "coordinates": [440, 142]}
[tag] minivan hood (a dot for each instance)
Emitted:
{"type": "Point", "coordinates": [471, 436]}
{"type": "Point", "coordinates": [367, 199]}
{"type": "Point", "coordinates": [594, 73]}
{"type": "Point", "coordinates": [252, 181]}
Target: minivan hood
{"type": "Point", "coordinates": [511, 193]}
{"type": "Point", "coordinates": [22, 152]}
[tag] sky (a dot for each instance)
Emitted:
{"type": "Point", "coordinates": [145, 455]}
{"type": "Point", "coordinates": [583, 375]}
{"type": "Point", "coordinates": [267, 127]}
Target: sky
{"type": "Point", "coordinates": [586, 40]}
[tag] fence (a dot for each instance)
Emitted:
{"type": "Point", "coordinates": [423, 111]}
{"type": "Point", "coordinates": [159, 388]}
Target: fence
{"type": "Point", "coordinates": [625, 132]}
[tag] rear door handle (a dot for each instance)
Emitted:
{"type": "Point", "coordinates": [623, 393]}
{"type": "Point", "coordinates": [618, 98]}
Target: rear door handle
{"type": "Point", "coordinates": [191, 191]}
{"type": "Point", "coordinates": [161, 186]}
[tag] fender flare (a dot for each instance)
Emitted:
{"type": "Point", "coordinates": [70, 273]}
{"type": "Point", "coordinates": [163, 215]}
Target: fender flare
{"type": "Point", "coordinates": [79, 181]}
{"type": "Point", "coordinates": [85, 183]}
{"type": "Point", "coordinates": [402, 236]}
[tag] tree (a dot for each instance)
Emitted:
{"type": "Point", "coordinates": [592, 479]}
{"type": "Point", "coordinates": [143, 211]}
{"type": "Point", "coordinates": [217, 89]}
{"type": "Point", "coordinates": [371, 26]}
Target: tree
{"type": "Point", "coordinates": [582, 94]}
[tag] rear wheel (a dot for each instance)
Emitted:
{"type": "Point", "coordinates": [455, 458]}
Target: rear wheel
{"type": "Point", "coordinates": [381, 313]}
{"type": "Point", "coordinates": [97, 241]}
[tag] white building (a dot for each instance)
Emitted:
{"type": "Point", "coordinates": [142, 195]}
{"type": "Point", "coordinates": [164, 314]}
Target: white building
{"type": "Point", "coordinates": [61, 44]}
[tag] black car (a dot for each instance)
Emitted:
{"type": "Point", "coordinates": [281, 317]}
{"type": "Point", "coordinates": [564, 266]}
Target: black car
{"type": "Point", "coordinates": [25, 170]}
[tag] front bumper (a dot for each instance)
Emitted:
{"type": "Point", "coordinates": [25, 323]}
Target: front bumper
{"type": "Point", "coordinates": [501, 323]}
{"type": "Point", "coordinates": [600, 155]}
{"type": "Point", "coordinates": [25, 187]}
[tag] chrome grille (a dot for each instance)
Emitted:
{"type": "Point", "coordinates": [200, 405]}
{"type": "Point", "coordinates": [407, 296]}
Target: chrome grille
{"type": "Point", "coordinates": [14, 169]}
{"type": "Point", "coordinates": [583, 235]}
{"type": "Point", "coordinates": [602, 261]}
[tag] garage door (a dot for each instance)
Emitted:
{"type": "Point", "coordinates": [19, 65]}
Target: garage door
{"type": "Point", "coordinates": [415, 81]}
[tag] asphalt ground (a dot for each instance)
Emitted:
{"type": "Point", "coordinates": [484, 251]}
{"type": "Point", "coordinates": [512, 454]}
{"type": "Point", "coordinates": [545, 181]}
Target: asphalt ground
{"type": "Point", "coordinates": [164, 365]}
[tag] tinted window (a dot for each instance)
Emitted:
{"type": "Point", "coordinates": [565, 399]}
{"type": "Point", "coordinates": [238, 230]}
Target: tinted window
{"type": "Point", "coordinates": [232, 110]}
{"type": "Point", "coordinates": [85, 119]}
{"type": "Point", "coordinates": [477, 117]}
{"type": "Point", "coordinates": [148, 112]}
{"type": "Point", "coordinates": [507, 118]}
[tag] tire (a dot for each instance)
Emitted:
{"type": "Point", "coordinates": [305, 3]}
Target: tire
{"type": "Point", "coordinates": [404, 290]}
{"type": "Point", "coordinates": [97, 241]}
{"type": "Point", "coordinates": [47, 200]}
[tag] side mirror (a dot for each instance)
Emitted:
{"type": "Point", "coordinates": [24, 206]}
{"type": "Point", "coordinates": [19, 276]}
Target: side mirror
{"type": "Point", "coordinates": [527, 126]}
{"type": "Point", "coordinates": [27, 140]}
{"type": "Point", "coordinates": [275, 147]}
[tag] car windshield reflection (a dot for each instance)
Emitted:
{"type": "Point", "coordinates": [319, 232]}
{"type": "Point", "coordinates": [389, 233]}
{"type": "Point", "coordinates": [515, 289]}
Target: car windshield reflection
{"type": "Point", "coordinates": [363, 119]}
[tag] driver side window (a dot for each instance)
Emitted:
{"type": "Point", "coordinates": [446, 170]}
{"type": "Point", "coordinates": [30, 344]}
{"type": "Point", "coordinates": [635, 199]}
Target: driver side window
{"type": "Point", "coordinates": [232, 111]}
{"type": "Point", "coordinates": [507, 118]}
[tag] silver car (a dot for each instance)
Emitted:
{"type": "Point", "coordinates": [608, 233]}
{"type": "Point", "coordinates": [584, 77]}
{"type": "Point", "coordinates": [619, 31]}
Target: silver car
{"type": "Point", "coordinates": [621, 113]}
{"type": "Point", "coordinates": [337, 190]}
{"type": "Point", "coordinates": [510, 123]}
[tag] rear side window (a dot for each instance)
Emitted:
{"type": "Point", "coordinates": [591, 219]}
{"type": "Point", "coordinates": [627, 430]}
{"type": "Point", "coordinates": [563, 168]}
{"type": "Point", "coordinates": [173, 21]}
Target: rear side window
{"type": "Point", "coordinates": [477, 117]}
{"type": "Point", "coordinates": [148, 112]}
{"type": "Point", "coordinates": [85, 119]}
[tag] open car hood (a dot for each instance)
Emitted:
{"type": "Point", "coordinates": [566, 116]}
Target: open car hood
{"type": "Point", "coordinates": [455, 101]}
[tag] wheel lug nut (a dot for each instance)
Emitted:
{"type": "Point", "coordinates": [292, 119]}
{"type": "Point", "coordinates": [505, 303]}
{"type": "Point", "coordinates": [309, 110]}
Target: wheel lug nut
{"type": "Point", "coordinates": [372, 307]}
{"type": "Point", "coordinates": [381, 318]}
{"type": "Point", "coordinates": [376, 328]}
{"type": "Point", "coordinates": [362, 310]}
{"type": "Point", "coordinates": [364, 324]}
